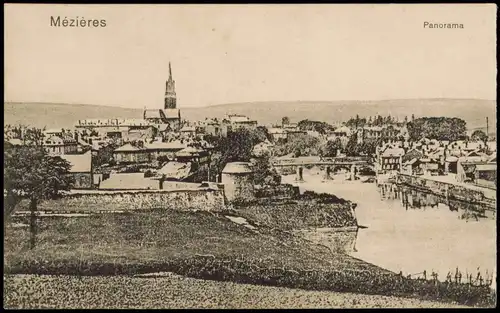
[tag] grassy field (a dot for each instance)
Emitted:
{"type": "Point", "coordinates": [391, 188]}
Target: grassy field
{"type": "Point", "coordinates": [148, 239]}
{"type": "Point", "coordinates": [122, 292]}
{"type": "Point", "coordinates": [207, 246]}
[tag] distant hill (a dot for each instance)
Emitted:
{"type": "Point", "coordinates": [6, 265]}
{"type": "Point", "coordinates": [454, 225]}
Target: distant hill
{"type": "Point", "coordinates": [472, 111]}
{"type": "Point", "coordinates": [53, 115]}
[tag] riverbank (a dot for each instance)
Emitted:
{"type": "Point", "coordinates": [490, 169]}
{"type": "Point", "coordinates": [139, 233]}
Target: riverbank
{"type": "Point", "coordinates": [53, 292]}
{"type": "Point", "coordinates": [213, 246]}
{"type": "Point", "coordinates": [411, 240]}
{"type": "Point", "coordinates": [202, 245]}
{"type": "Point", "coordinates": [309, 210]}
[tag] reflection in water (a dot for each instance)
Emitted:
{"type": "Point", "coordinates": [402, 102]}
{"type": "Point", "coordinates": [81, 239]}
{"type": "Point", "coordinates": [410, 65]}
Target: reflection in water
{"type": "Point", "coordinates": [416, 199]}
{"type": "Point", "coordinates": [411, 231]}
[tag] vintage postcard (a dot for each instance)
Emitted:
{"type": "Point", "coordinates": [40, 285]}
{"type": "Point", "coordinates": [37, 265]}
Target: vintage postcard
{"type": "Point", "coordinates": [249, 156]}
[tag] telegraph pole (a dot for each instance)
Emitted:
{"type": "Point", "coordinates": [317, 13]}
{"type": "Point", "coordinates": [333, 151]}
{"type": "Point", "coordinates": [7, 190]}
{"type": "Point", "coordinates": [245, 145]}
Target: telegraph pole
{"type": "Point", "coordinates": [487, 128]}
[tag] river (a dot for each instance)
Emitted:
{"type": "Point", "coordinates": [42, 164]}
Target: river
{"type": "Point", "coordinates": [415, 239]}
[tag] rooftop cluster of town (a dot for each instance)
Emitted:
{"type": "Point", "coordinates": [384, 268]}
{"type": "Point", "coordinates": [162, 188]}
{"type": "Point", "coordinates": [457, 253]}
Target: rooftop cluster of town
{"type": "Point", "coordinates": [110, 153]}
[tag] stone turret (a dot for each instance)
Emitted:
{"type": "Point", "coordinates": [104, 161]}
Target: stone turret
{"type": "Point", "coordinates": [237, 178]}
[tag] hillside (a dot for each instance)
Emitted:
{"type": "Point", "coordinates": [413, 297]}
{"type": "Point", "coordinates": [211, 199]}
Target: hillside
{"type": "Point", "coordinates": [65, 115]}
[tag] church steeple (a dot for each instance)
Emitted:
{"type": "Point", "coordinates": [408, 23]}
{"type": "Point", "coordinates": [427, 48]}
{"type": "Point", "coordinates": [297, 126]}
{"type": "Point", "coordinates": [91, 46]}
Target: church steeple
{"type": "Point", "coordinates": [170, 95]}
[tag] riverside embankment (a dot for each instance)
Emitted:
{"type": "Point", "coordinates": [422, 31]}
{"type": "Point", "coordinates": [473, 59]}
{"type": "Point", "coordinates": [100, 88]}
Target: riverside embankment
{"type": "Point", "coordinates": [429, 237]}
{"type": "Point", "coordinates": [471, 198]}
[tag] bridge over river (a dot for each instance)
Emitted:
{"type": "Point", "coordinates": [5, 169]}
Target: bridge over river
{"type": "Point", "coordinates": [328, 165]}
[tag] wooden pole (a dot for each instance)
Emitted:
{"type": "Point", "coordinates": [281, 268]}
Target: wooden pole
{"type": "Point", "coordinates": [487, 128]}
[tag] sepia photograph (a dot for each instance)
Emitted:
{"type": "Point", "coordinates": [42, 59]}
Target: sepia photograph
{"type": "Point", "coordinates": [250, 156]}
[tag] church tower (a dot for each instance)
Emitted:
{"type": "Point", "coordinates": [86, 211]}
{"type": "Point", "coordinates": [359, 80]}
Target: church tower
{"type": "Point", "coordinates": [170, 96]}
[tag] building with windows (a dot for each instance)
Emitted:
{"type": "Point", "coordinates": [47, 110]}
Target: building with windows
{"type": "Point", "coordinates": [81, 169]}
{"type": "Point", "coordinates": [166, 119]}
{"type": "Point", "coordinates": [147, 152]}
{"type": "Point", "coordinates": [390, 159]}
{"type": "Point", "coordinates": [233, 122]}
{"type": "Point", "coordinates": [57, 145]}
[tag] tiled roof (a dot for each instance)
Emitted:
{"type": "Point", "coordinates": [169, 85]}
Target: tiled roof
{"type": "Point", "coordinates": [343, 129]}
{"type": "Point", "coordinates": [127, 148]}
{"type": "Point", "coordinates": [129, 181]}
{"type": "Point", "coordinates": [412, 161]}
{"type": "Point", "coordinates": [172, 145]}
{"type": "Point", "coordinates": [236, 119]}
{"type": "Point", "coordinates": [237, 168]}
{"type": "Point", "coordinates": [57, 140]}
{"type": "Point", "coordinates": [80, 163]}
{"type": "Point", "coordinates": [175, 170]}
{"type": "Point", "coordinates": [393, 152]}
{"type": "Point", "coordinates": [155, 113]}
{"type": "Point", "coordinates": [188, 129]}
{"type": "Point", "coordinates": [171, 113]}
{"type": "Point", "coordinates": [189, 151]}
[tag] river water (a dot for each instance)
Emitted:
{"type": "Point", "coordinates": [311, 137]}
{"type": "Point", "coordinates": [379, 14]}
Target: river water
{"type": "Point", "coordinates": [431, 238]}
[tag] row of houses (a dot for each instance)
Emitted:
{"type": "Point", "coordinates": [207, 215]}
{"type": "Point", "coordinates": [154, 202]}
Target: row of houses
{"type": "Point", "coordinates": [473, 162]}
{"type": "Point", "coordinates": [144, 152]}
{"type": "Point", "coordinates": [219, 127]}
{"type": "Point", "coordinates": [285, 132]}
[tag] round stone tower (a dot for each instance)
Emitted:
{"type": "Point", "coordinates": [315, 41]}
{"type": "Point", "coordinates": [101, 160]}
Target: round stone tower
{"type": "Point", "coordinates": [237, 178]}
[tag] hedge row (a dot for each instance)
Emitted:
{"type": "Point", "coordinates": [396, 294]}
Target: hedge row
{"type": "Point", "coordinates": [211, 268]}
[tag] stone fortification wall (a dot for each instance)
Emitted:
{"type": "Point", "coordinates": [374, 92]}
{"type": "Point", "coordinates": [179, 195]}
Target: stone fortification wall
{"type": "Point", "coordinates": [204, 200]}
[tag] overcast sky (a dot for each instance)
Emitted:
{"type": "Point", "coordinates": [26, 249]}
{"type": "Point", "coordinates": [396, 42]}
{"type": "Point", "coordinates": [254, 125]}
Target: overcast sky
{"type": "Point", "coordinates": [239, 53]}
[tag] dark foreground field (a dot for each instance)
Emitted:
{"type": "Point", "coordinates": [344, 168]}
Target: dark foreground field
{"type": "Point", "coordinates": [198, 245]}
{"type": "Point", "coordinates": [142, 241]}
{"type": "Point", "coordinates": [121, 292]}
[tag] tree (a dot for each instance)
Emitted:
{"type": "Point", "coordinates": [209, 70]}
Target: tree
{"type": "Point", "coordinates": [356, 122]}
{"type": "Point", "coordinates": [285, 121]}
{"type": "Point", "coordinates": [351, 148]}
{"type": "Point", "coordinates": [260, 134]}
{"type": "Point", "coordinates": [479, 135]}
{"type": "Point", "coordinates": [367, 147]}
{"type": "Point", "coordinates": [236, 147]}
{"type": "Point", "coordinates": [264, 173]}
{"type": "Point", "coordinates": [320, 127]}
{"type": "Point", "coordinates": [331, 147]}
{"type": "Point", "coordinates": [30, 173]}
{"type": "Point", "coordinates": [104, 155]}
{"type": "Point", "coordinates": [439, 128]}
{"type": "Point", "coordinates": [300, 145]}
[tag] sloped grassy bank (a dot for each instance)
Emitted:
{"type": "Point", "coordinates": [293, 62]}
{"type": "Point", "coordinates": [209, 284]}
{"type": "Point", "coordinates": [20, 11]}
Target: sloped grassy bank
{"type": "Point", "coordinates": [208, 246]}
{"type": "Point", "coordinates": [309, 210]}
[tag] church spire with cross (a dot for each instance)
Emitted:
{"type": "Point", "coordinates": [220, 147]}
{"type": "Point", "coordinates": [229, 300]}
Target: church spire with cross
{"type": "Point", "coordinates": [170, 95]}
